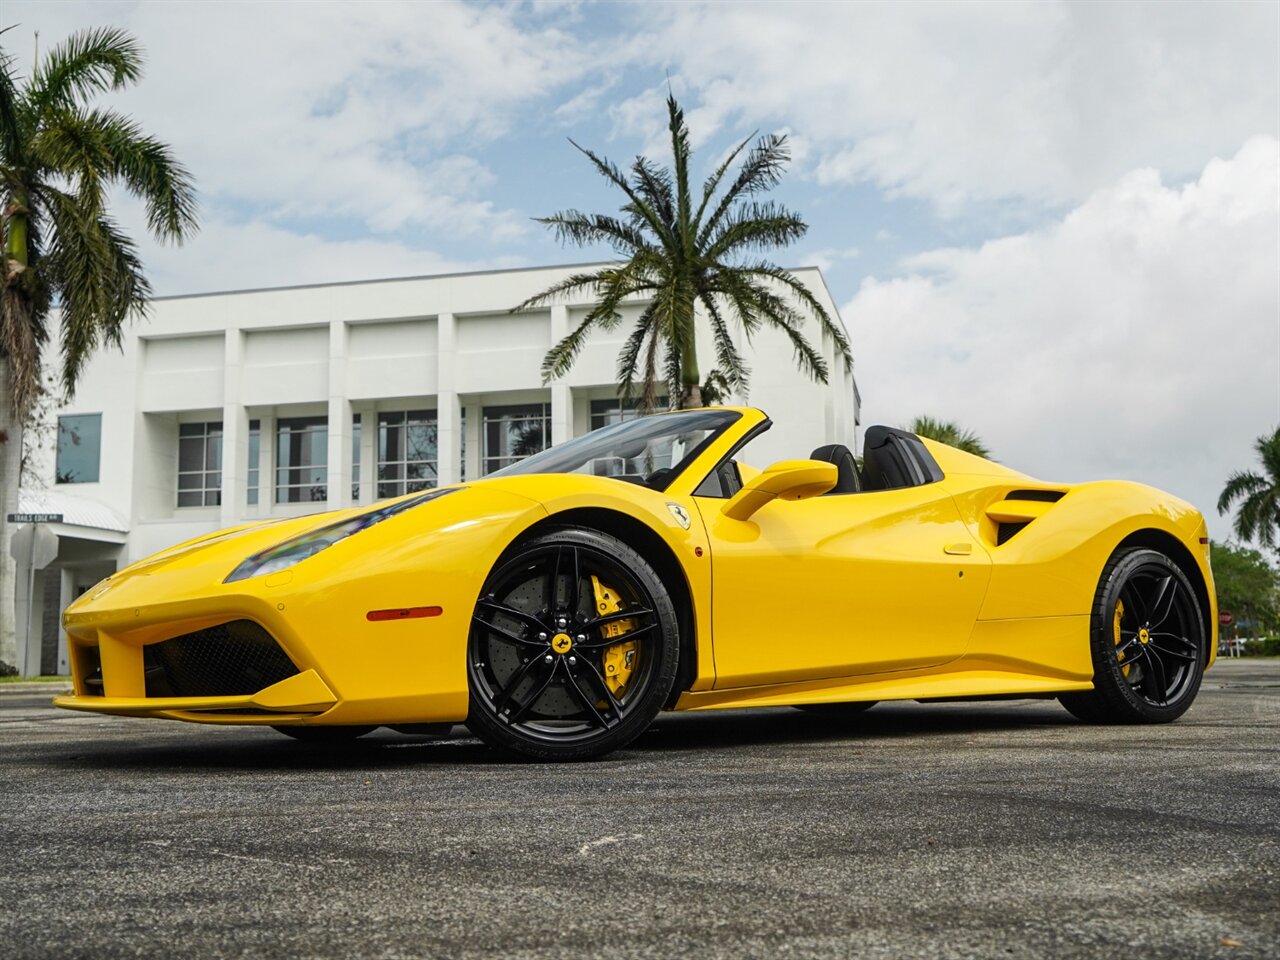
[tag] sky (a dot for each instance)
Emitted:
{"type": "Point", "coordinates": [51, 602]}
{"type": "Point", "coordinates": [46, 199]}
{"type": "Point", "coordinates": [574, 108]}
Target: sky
{"type": "Point", "coordinates": [1055, 223]}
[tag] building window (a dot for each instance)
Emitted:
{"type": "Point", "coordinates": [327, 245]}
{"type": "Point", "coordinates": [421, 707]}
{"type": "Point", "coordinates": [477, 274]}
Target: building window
{"type": "Point", "coordinates": [355, 457]}
{"type": "Point", "coordinates": [255, 451]}
{"type": "Point", "coordinates": [79, 448]}
{"type": "Point", "coordinates": [606, 412]}
{"type": "Point", "coordinates": [513, 433]}
{"type": "Point", "coordinates": [406, 452]}
{"type": "Point", "coordinates": [302, 459]}
{"type": "Point", "coordinates": [199, 464]}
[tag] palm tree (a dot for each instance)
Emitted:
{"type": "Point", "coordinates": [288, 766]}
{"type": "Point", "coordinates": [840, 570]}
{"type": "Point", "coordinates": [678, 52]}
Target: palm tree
{"type": "Point", "coordinates": [680, 252]}
{"type": "Point", "coordinates": [952, 434]}
{"type": "Point", "coordinates": [59, 157]}
{"type": "Point", "coordinates": [1259, 493]}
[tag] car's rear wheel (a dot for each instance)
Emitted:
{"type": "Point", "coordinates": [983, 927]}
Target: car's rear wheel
{"type": "Point", "coordinates": [337, 733]}
{"type": "Point", "coordinates": [1147, 641]}
{"type": "Point", "coordinates": [573, 648]}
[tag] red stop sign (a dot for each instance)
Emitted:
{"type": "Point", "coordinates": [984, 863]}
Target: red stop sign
{"type": "Point", "coordinates": [1225, 618]}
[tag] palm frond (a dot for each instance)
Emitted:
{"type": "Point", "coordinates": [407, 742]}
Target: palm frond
{"type": "Point", "coordinates": [560, 358]}
{"type": "Point", "coordinates": [629, 356]}
{"type": "Point", "coordinates": [802, 293]}
{"type": "Point", "coordinates": [732, 367]}
{"type": "Point", "coordinates": [89, 62]}
{"type": "Point", "coordinates": [756, 306]}
{"type": "Point", "coordinates": [98, 275]}
{"type": "Point", "coordinates": [583, 229]}
{"type": "Point", "coordinates": [1241, 484]}
{"type": "Point", "coordinates": [757, 226]}
{"type": "Point", "coordinates": [952, 434]}
{"type": "Point", "coordinates": [653, 184]}
{"type": "Point", "coordinates": [11, 140]}
{"type": "Point", "coordinates": [712, 183]}
{"type": "Point", "coordinates": [680, 157]}
{"type": "Point", "coordinates": [762, 170]}
{"type": "Point", "coordinates": [637, 206]}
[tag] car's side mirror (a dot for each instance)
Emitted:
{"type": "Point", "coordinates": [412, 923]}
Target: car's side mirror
{"type": "Point", "coordinates": [786, 480]}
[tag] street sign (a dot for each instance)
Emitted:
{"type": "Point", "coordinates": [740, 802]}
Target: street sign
{"type": "Point", "coordinates": [35, 518]}
{"type": "Point", "coordinates": [1225, 618]}
{"type": "Point", "coordinates": [37, 545]}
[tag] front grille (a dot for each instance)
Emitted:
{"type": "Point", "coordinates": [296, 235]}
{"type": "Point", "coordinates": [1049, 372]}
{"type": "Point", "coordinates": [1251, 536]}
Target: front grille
{"type": "Point", "coordinates": [230, 660]}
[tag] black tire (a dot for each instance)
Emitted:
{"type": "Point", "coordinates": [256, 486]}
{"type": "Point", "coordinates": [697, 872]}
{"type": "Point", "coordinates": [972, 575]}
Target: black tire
{"type": "Point", "coordinates": [1147, 639]}
{"type": "Point", "coordinates": [539, 651]}
{"type": "Point", "coordinates": [327, 734]}
{"type": "Point", "coordinates": [838, 711]}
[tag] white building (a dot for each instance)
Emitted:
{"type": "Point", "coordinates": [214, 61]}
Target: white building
{"type": "Point", "coordinates": [229, 407]}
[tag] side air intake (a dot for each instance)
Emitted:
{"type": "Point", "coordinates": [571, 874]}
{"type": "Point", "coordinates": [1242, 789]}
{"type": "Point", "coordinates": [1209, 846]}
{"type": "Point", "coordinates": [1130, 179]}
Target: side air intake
{"type": "Point", "coordinates": [1018, 509]}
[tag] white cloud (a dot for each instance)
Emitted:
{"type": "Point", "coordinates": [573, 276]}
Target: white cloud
{"type": "Point", "coordinates": [1138, 337]}
{"type": "Point", "coordinates": [828, 257]}
{"type": "Point", "coordinates": [1040, 103]}
{"type": "Point", "coordinates": [230, 256]}
{"type": "Point", "coordinates": [366, 112]}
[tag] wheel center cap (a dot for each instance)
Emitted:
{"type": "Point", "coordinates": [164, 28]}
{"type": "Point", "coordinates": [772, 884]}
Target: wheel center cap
{"type": "Point", "coordinates": [1144, 636]}
{"type": "Point", "coordinates": [563, 643]}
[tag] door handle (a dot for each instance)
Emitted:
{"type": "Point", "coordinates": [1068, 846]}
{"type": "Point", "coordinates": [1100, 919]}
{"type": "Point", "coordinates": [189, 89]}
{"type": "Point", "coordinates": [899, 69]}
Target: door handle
{"type": "Point", "coordinates": [958, 549]}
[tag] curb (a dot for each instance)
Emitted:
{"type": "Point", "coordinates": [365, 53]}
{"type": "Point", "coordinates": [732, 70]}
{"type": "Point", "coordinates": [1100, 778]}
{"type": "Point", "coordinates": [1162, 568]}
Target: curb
{"type": "Point", "coordinates": [51, 687]}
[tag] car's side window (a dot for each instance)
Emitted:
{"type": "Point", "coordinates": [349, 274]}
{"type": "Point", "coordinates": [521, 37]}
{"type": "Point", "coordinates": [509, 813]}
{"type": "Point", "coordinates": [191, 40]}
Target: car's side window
{"type": "Point", "coordinates": [722, 482]}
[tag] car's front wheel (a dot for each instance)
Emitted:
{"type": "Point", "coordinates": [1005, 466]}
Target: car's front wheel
{"type": "Point", "coordinates": [573, 647]}
{"type": "Point", "coordinates": [1147, 642]}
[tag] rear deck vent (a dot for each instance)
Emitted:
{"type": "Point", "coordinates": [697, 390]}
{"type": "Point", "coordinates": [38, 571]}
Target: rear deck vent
{"type": "Point", "coordinates": [232, 659]}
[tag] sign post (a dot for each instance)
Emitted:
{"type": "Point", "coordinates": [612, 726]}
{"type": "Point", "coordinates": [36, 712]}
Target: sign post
{"type": "Point", "coordinates": [41, 547]}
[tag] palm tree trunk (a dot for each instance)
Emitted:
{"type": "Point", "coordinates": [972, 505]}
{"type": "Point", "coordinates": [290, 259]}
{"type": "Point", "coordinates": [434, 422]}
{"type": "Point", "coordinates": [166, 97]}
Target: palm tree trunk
{"type": "Point", "coordinates": [690, 378]}
{"type": "Point", "coordinates": [10, 468]}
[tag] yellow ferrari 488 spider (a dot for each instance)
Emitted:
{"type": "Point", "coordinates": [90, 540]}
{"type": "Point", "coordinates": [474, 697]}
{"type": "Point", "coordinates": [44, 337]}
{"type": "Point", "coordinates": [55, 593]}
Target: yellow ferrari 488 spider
{"type": "Point", "coordinates": [558, 605]}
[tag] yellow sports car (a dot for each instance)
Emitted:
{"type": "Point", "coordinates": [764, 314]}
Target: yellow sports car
{"type": "Point", "coordinates": [557, 605]}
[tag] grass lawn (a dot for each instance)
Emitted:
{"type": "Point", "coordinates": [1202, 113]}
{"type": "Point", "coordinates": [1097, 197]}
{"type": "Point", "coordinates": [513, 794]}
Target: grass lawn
{"type": "Point", "coordinates": [34, 679]}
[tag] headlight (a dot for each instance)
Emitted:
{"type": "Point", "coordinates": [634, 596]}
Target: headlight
{"type": "Point", "coordinates": [284, 555]}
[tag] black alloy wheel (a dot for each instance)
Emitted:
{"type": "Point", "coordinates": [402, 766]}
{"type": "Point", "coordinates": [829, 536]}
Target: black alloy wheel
{"type": "Point", "coordinates": [573, 647]}
{"type": "Point", "coordinates": [1147, 642]}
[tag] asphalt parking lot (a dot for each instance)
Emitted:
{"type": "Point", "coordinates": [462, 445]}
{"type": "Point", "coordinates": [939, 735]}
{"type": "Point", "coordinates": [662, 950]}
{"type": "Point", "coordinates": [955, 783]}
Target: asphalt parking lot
{"type": "Point", "coordinates": [960, 830]}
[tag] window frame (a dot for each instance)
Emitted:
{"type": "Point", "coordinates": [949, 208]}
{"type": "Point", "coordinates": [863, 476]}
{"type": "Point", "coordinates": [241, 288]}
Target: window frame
{"type": "Point", "coordinates": [491, 463]}
{"type": "Point", "coordinates": [58, 474]}
{"type": "Point", "coordinates": [301, 426]}
{"type": "Point", "coordinates": [209, 495]}
{"type": "Point", "coordinates": [397, 486]}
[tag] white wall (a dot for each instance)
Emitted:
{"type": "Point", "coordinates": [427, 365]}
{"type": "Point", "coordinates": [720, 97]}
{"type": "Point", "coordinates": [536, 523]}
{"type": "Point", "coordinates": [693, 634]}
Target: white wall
{"type": "Point", "coordinates": [447, 343]}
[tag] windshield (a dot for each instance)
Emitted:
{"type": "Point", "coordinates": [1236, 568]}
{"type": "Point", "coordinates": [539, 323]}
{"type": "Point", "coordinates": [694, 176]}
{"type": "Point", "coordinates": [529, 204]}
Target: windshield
{"type": "Point", "coordinates": [651, 451]}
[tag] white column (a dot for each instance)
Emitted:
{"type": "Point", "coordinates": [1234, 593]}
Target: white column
{"type": "Point", "coordinates": [475, 444]}
{"type": "Point", "coordinates": [561, 394]}
{"type": "Point", "coordinates": [266, 461]}
{"type": "Point", "coordinates": [66, 593]}
{"type": "Point", "coordinates": [448, 410]}
{"type": "Point", "coordinates": [830, 417]}
{"type": "Point", "coordinates": [339, 459]}
{"type": "Point", "coordinates": [235, 431]}
{"type": "Point", "coordinates": [368, 454]}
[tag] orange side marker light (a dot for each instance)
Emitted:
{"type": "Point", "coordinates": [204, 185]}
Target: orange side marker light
{"type": "Point", "coordinates": [404, 613]}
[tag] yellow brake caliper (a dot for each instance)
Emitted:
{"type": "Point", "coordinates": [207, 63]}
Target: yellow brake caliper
{"type": "Point", "coordinates": [1120, 613]}
{"type": "Point", "coordinates": [619, 659]}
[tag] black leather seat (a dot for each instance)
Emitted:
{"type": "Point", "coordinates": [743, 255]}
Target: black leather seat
{"type": "Point", "coordinates": [847, 480]}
